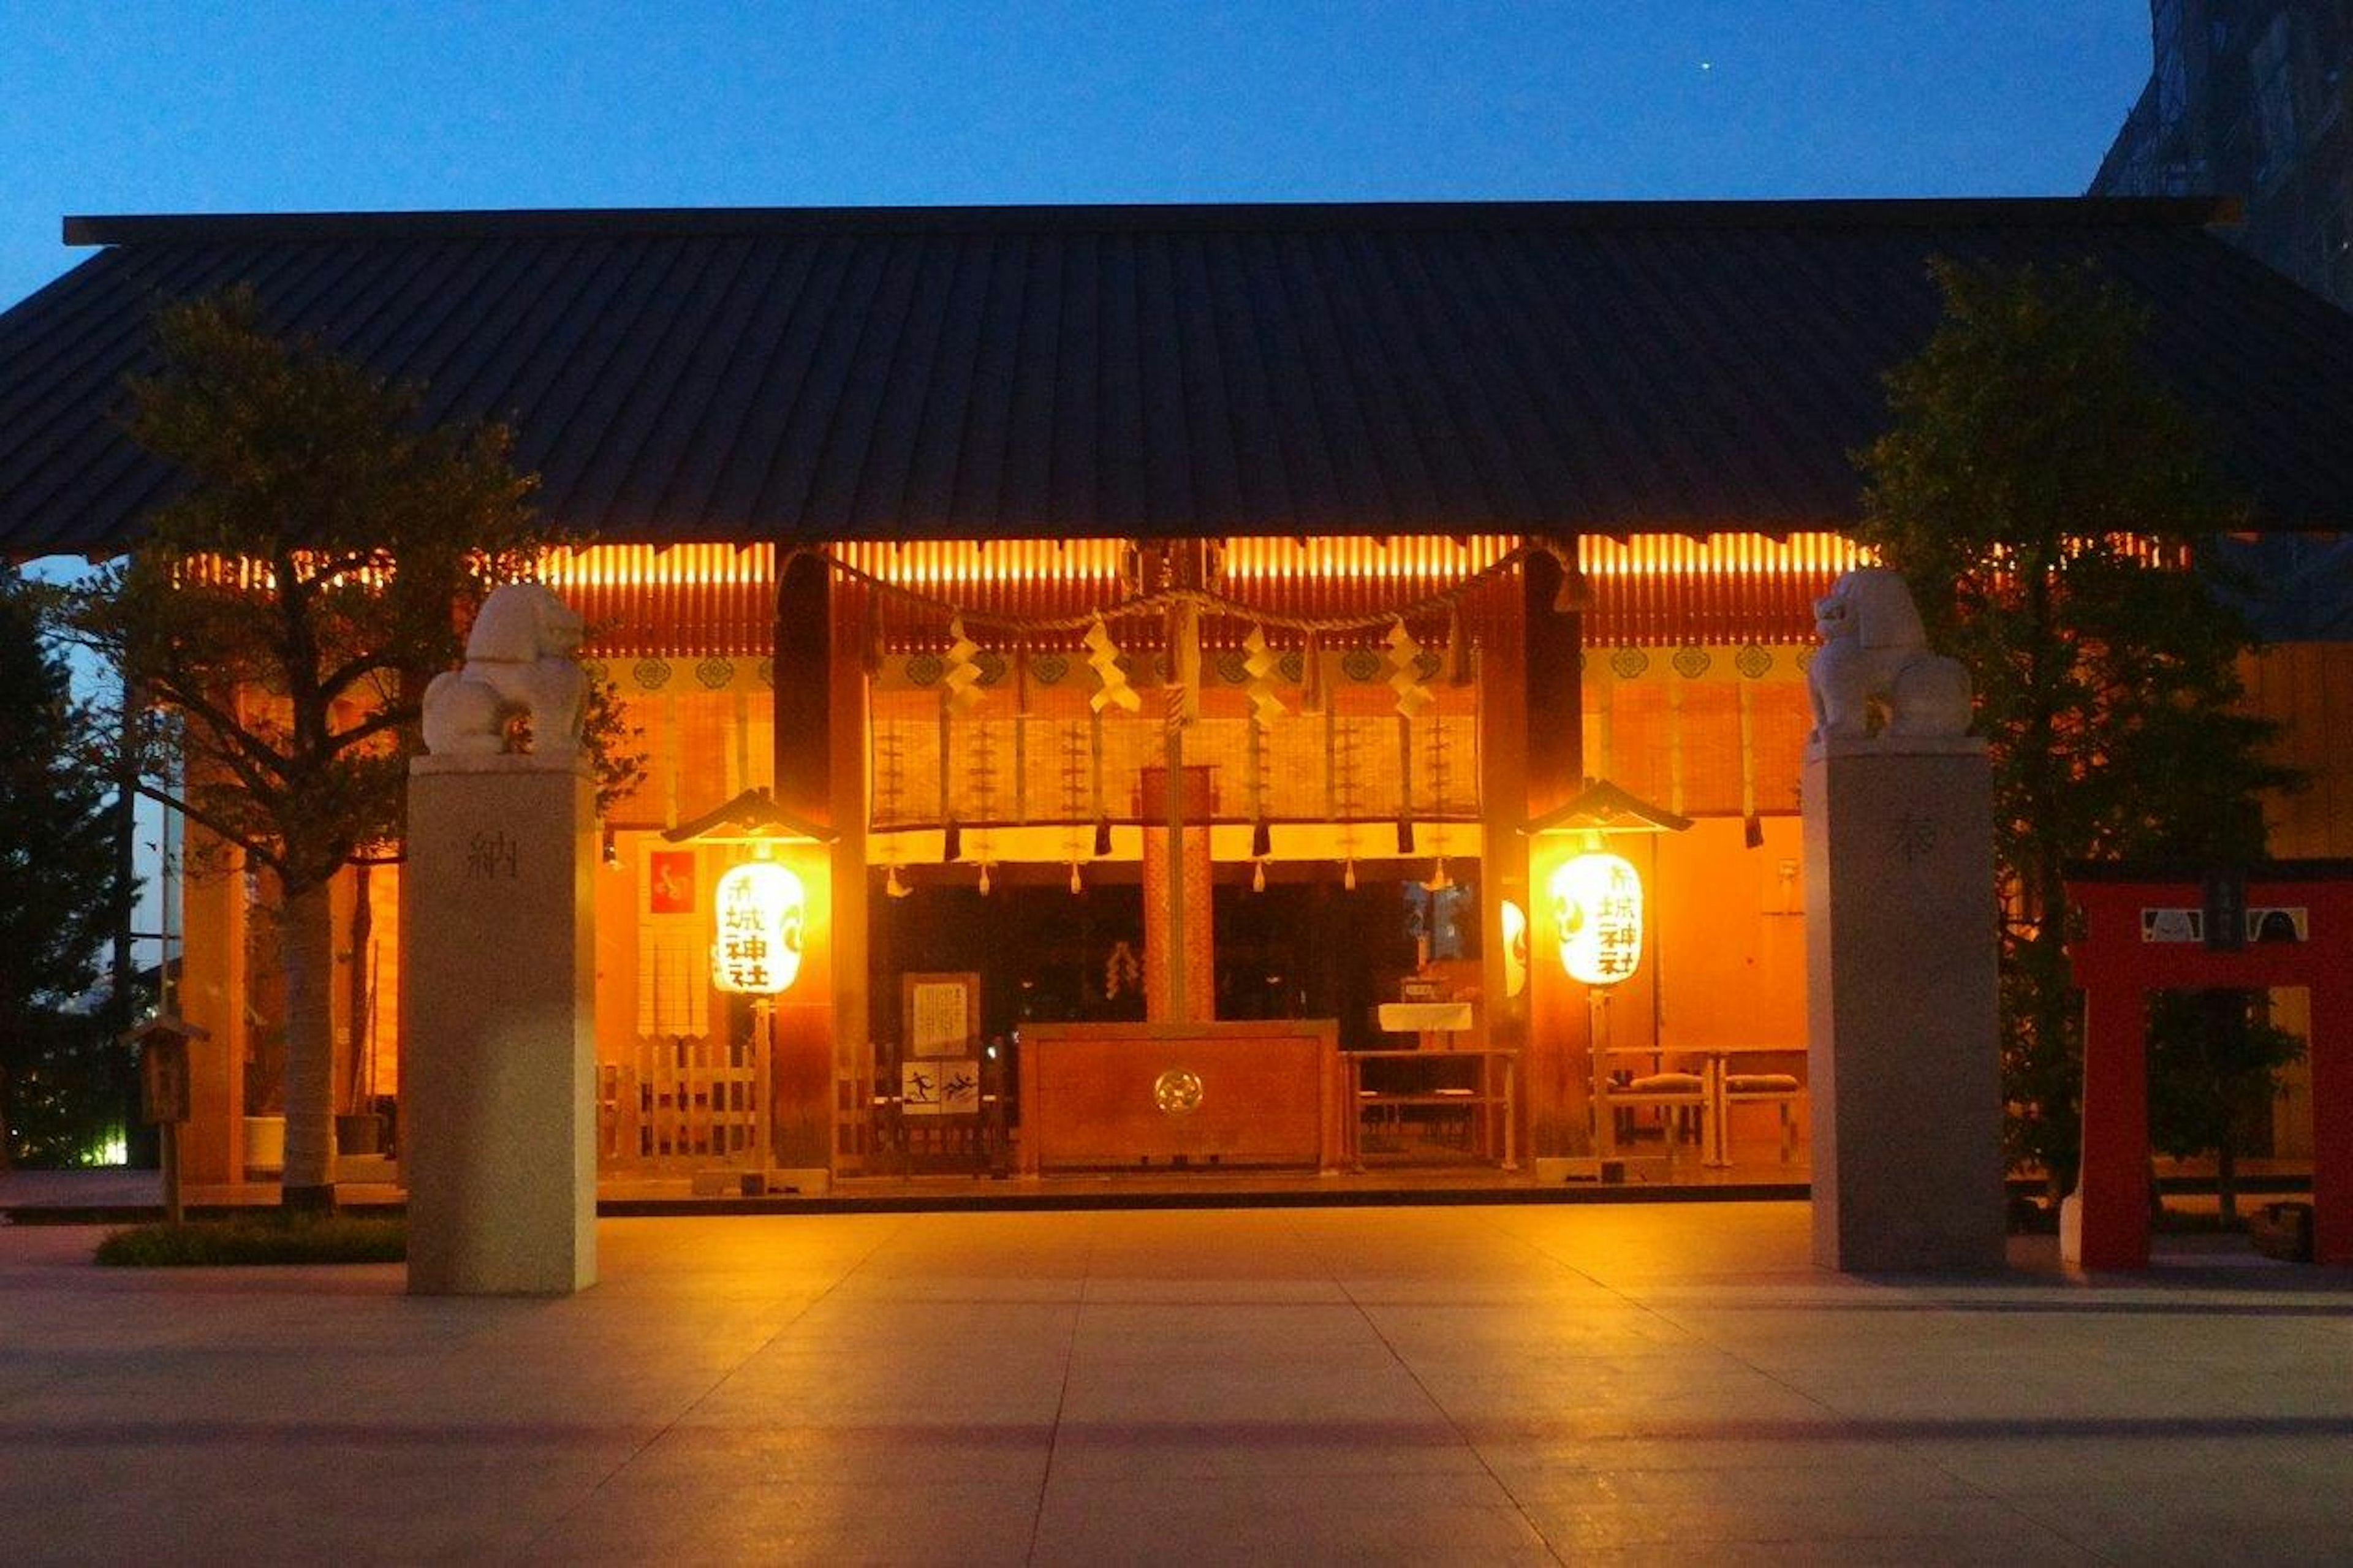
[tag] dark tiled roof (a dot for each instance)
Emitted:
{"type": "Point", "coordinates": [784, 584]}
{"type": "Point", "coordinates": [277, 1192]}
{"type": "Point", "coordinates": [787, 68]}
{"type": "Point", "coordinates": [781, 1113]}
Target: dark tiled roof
{"type": "Point", "coordinates": [877, 373]}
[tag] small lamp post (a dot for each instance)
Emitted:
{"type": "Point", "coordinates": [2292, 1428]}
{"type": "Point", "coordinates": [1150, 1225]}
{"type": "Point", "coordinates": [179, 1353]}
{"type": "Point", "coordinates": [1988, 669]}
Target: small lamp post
{"type": "Point", "coordinates": [1596, 898]}
{"type": "Point", "coordinates": [162, 1046]}
{"type": "Point", "coordinates": [760, 911]}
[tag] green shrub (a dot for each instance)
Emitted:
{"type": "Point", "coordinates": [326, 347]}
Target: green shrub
{"type": "Point", "coordinates": [258, 1239]}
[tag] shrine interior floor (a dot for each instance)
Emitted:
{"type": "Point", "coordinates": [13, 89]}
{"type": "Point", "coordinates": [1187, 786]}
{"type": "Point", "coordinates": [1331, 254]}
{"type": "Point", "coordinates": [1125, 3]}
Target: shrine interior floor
{"type": "Point", "coordinates": [1435, 1383]}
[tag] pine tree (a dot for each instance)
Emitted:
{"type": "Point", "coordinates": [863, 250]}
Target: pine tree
{"type": "Point", "coordinates": [60, 896]}
{"type": "Point", "coordinates": [284, 614]}
{"type": "Point", "coordinates": [2055, 512]}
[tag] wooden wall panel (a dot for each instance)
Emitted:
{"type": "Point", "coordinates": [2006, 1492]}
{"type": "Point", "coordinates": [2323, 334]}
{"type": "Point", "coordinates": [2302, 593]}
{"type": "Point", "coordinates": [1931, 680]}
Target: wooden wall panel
{"type": "Point", "coordinates": [2308, 688]}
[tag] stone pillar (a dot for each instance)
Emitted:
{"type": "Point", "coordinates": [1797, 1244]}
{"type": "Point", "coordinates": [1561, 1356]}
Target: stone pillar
{"type": "Point", "coordinates": [1903, 1032]}
{"type": "Point", "coordinates": [498, 1018]}
{"type": "Point", "coordinates": [1198, 954]}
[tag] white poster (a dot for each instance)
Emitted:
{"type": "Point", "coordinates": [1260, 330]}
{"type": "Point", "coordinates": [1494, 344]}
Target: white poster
{"type": "Point", "coordinates": [942, 1016]}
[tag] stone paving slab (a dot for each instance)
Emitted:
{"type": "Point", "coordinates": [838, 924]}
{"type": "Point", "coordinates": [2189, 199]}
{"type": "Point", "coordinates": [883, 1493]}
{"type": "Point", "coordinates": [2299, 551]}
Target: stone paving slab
{"type": "Point", "coordinates": [1666, 1383]}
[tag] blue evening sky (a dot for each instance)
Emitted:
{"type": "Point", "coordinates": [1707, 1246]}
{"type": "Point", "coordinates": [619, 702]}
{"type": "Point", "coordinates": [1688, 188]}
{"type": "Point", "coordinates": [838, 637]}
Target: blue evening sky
{"type": "Point", "coordinates": [267, 105]}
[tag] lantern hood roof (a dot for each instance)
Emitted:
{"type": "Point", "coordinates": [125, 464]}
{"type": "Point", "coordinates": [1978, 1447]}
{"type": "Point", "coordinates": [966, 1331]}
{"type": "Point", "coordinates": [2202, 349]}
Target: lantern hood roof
{"type": "Point", "coordinates": [166, 1025]}
{"type": "Point", "coordinates": [823, 375]}
{"type": "Point", "coordinates": [1604, 807]}
{"type": "Point", "coordinates": [752, 817]}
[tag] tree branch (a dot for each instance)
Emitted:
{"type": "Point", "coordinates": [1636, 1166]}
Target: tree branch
{"type": "Point", "coordinates": [224, 725]}
{"type": "Point", "coordinates": [214, 824]}
{"type": "Point", "coordinates": [375, 723]}
{"type": "Point", "coordinates": [342, 679]}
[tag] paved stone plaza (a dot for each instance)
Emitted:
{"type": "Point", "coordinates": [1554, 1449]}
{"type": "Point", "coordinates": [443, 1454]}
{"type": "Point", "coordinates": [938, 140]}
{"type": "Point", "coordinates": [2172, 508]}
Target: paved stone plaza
{"type": "Point", "coordinates": [1655, 1382]}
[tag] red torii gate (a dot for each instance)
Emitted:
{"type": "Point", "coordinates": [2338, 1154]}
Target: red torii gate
{"type": "Point", "coordinates": [2149, 929]}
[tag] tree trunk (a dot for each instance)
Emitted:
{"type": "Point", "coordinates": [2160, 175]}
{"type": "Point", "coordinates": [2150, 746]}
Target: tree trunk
{"type": "Point", "coordinates": [362, 1009]}
{"type": "Point", "coordinates": [307, 942]}
{"type": "Point", "coordinates": [2226, 1182]}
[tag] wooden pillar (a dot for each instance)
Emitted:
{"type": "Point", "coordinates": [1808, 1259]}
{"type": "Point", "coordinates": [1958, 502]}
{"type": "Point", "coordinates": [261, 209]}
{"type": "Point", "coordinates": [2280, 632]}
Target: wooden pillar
{"type": "Point", "coordinates": [1503, 794]}
{"type": "Point", "coordinates": [850, 969]}
{"type": "Point", "coordinates": [1181, 985]}
{"type": "Point", "coordinates": [1555, 1060]}
{"type": "Point", "coordinates": [800, 1071]}
{"type": "Point", "coordinates": [211, 995]}
{"type": "Point", "coordinates": [803, 689]}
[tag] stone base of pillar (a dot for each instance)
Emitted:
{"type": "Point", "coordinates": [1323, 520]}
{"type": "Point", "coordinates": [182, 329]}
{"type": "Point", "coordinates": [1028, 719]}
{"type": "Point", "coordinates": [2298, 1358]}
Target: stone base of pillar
{"type": "Point", "coordinates": [498, 1027]}
{"type": "Point", "coordinates": [1903, 1035]}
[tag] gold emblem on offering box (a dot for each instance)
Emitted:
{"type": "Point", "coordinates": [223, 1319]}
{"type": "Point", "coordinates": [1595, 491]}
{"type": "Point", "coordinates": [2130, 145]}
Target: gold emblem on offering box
{"type": "Point", "coordinates": [1177, 1091]}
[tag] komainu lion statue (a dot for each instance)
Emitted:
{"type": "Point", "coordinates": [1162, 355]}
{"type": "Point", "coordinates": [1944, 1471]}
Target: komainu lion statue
{"type": "Point", "coordinates": [517, 663]}
{"type": "Point", "coordinates": [1874, 656]}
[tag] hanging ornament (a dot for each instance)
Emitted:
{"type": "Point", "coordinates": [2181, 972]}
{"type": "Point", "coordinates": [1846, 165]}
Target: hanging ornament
{"type": "Point", "coordinates": [892, 886]}
{"type": "Point", "coordinates": [1257, 876]}
{"type": "Point", "coordinates": [1078, 883]}
{"type": "Point", "coordinates": [962, 678]}
{"type": "Point", "coordinates": [1348, 873]}
{"type": "Point", "coordinates": [1095, 779]}
{"type": "Point", "coordinates": [1112, 690]}
{"type": "Point", "coordinates": [1752, 827]}
{"type": "Point", "coordinates": [984, 880]}
{"type": "Point", "coordinates": [1021, 734]}
{"type": "Point", "coordinates": [1122, 971]}
{"type": "Point", "coordinates": [1254, 773]}
{"type": "Point", "coordinates": [1439, 880]}
{"type": "Point", "coordinates": [1405, 675]}
{"type": "Point", "coordinates": [1312, 696]}
{"type": "Point", "coordinates": [981, 775]}
{"type": "Point", "coordinates": [1260, 663]}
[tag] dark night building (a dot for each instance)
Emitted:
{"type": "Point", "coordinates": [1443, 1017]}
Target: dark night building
{"type": "Point", "coordinates": [2253, 99]}
{"type": "Point", "coordinates": [2249, 98]}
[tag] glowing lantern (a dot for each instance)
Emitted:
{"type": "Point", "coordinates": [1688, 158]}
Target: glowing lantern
{"type": "Point", "coordinates": [759, 949]}
{"type": "Point", "coordinates": [1515, 949]}
{"type": "Point", "coordinates": [1596, 902]}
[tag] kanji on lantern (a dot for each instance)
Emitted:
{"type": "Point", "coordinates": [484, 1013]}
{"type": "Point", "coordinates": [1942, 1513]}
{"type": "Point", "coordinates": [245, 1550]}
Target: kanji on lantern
{"type": "Point", "coordinates": [757, 949]}
{"type": "Point", "coordinates": [1598, 917]}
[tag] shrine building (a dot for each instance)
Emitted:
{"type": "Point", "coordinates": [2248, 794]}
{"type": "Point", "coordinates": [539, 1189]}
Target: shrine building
{"type": "Point", "coordinates": [1296, 688]}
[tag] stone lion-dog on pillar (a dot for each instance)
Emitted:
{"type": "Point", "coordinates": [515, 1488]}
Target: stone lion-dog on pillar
{"type": "Point", "coordinates": [1874, 656]}
{"type": "Point", "coordinates": [519, 663]}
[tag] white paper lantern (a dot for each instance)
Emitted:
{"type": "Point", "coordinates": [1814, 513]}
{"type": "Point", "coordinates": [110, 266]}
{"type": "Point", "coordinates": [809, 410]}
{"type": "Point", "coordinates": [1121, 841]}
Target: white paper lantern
{"type": "Point", "coordinates": [1596, 902]}
{"type": "Point", "coordinates": [757, 952]}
